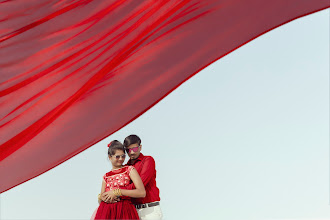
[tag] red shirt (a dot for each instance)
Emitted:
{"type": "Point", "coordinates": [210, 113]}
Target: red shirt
{"type": "Point", "coordinates": [145, 166]}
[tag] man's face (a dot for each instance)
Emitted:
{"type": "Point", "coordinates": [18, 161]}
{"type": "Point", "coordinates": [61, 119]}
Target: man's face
{"type": "Point", "coordinates": [133, 151]}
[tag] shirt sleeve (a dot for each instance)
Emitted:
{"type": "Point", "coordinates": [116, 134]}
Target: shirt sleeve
{"type": "Point", "coordinates": [147, 173]}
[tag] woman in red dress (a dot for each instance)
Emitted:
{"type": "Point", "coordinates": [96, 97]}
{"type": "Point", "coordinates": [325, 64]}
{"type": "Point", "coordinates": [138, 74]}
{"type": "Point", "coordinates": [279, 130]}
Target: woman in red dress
{"type": "Point", "coordinates": [113, 185]}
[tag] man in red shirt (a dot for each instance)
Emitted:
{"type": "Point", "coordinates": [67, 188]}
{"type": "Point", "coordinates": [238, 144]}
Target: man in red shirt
{"type": "Point", "coordinates": [148, 207]}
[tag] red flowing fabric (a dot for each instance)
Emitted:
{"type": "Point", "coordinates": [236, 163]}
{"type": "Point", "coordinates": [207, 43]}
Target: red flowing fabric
{"type": "Point", "coordinates": [73, 72]}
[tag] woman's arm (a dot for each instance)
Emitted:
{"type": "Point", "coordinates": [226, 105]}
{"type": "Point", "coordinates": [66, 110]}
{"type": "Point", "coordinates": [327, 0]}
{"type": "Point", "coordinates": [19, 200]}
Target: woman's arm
{"type": "Point", "coordinates": [102, 191]}
{"type": "Point", "coordinates": [140, 191]}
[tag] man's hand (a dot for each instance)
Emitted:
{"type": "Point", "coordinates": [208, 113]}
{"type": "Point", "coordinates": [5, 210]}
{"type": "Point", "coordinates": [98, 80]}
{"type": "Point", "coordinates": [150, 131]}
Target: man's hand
{"type": "Point", "coordinates": [109, 197]}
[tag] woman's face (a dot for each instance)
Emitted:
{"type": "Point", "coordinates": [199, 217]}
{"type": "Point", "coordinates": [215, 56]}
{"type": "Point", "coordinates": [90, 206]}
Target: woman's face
{"type": "Point", "coordinates": [118, 158]}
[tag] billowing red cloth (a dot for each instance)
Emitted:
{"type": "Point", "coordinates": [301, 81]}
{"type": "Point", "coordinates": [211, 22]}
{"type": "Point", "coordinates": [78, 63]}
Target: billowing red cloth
{"type": "Point", "coordinates": [73, 72]}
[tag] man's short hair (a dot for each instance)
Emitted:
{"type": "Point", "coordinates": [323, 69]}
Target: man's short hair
{"type": "Point", "coordinates": [132, 139]}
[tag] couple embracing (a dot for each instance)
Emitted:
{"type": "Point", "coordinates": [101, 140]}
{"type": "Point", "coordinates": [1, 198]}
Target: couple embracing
{"type": "Point", "coordinates": [129, 191]}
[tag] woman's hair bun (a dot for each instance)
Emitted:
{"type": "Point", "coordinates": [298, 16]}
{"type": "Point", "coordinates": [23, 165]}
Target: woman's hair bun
{"type": "Point", "coordinates": [115, 145]}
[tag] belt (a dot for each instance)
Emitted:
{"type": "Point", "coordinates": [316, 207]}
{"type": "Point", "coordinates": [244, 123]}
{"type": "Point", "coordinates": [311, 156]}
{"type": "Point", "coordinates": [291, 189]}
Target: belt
{"type": "Point", "coordinates": [151, 204]}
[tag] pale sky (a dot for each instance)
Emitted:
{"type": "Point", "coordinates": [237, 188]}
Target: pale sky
{"type": "Point", "coordinates": [247, 138]}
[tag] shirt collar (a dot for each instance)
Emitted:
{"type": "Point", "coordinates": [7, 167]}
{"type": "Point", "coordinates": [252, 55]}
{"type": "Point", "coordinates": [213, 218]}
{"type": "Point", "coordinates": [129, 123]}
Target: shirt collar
{"type": "Point", "coordinates": [141, 156]}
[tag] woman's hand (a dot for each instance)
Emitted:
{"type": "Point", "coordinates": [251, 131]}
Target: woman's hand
{"type": "Point", "coordinates": [109, 197]}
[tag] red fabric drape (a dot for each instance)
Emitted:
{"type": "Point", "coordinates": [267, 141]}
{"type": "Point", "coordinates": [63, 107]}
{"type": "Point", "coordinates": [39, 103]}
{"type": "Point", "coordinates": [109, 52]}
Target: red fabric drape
{"type": "Point", "coordinates": [74, 71]}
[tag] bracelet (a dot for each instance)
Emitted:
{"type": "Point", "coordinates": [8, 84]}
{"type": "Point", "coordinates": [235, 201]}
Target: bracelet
{"type": "Point", "coordinates": [99, 196]}
{"type": "Point", "coordinates": [117, 192]}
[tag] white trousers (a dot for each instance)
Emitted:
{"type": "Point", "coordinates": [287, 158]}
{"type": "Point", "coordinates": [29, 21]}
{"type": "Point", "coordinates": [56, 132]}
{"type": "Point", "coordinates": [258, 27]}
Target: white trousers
{"type": "Point", "coordinates": [150, 213]}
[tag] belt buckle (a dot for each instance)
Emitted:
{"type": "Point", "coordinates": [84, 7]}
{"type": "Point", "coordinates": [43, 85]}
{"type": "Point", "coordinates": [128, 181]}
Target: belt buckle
{"type": "Point", "coordinates": [145, 205]}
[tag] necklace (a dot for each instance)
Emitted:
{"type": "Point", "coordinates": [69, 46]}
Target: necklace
{"type": "Point", "coordinates": [117, 168]}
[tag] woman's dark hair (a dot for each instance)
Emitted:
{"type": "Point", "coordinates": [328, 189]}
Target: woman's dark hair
{"type": "Point", "coordinates": [113, 146]}
{"type": "Point", "coordinates": [132, 139]}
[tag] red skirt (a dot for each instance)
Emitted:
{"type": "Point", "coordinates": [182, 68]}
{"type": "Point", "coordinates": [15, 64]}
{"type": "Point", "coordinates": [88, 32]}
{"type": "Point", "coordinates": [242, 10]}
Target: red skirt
{"type": "Point", "coordinates": [124, 209]}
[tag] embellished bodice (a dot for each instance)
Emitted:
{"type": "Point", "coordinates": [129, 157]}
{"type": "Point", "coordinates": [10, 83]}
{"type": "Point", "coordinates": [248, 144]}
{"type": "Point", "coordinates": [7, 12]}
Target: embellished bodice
{"type": "Point", "coordinates": [117, 178]}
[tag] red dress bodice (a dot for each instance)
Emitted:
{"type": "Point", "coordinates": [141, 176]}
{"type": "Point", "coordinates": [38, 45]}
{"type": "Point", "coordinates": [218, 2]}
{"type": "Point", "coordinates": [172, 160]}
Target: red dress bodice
{"type": "Point", "coordinates": [118, 178]}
